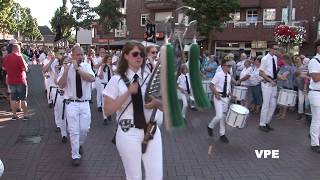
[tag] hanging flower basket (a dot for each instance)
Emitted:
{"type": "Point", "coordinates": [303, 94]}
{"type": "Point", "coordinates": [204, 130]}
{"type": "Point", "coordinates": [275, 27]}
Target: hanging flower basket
{"type": "Point", "coordinates": [289, 35]}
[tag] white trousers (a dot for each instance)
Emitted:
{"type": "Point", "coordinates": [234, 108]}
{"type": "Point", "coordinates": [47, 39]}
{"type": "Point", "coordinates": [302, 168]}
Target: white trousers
{"type": "Point", "coordinates": [99, 91]}
{"type": "Point", "coordinates": [269, 95]}
{"type": "Point", "coordinates": [221, 108]}
{"type": "Point", "coordinates": [302, 97]}
{"type": "Point", "coordinates": [61, 123]}
{"type": "Point", "coordinates": [79, 119]}
{"type": "Point", "coordinates": [314, 98]}
{"type": "Point", "coordinates": [184, 99]}
{"type": "Point", "coordinates": [129, 147]}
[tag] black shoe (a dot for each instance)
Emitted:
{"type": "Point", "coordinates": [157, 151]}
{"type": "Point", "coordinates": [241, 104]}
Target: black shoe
{"type": "Point", "coordinates": [19, 110]}
{"type": "Point", "coordinates": [224, 139]}
{"type": "Point", "coordinates": [80, 150]}
{"type": "Point", "coordinates": [105, 122]}
{"type": "Point", "coordinates": [57, 129]}
{"type": "Point", "coordinates": [64, 140]}
{"type": "Point", "coordinates": [50, 105]}
{"type": "Point", "coordinates": [14, 118]}
{"type": "Point", "coordinates": [210, 131]}
{"type": "Point", "coordinates": [269, 127]}
{"type": "Point", "coordinates": [263, 128]}
{"type": "Point", "coordinates": [109, 118]}
{"type": "Point", "coordinates": [76, 162]}
{"type": "Point", "coordinates": [315, 149]}
{"type": "Point", "coordinates": [99, 109]}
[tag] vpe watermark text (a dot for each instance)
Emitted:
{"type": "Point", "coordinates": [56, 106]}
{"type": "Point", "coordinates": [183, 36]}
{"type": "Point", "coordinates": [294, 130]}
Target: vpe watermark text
{"type": "Point", "coordinates": [273, 154]}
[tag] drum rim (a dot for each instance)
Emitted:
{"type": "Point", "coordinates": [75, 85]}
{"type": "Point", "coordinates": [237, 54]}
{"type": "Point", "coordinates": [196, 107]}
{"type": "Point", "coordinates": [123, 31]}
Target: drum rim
{"type": "Point", "coordinates": [240, 87]}
{"type": "Point", "coordinates": [237, 105]}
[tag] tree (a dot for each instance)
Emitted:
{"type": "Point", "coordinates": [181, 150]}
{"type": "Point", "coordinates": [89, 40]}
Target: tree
{"type": "Point", "coordinates": [7, 23]}
{"type": "Point", "coordinates": [211, 15]}
{"type": "Point", "coordinates": [62, 22]}
{"type": "Point", "coordinates": [82, 13]}
{"type": "Point", "coordinates": [32, 30]}
{"type": "Point", "coordinates": [109, 14]}
{"type": "Point", "coordinates": [20, 17]}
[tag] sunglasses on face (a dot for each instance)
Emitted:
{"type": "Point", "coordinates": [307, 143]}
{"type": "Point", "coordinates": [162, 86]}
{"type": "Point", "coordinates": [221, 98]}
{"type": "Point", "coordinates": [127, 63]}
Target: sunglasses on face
{"type": "Point", "coordinates": [135, 54]}
{"type": "Point", "coordinates": [154, 52]}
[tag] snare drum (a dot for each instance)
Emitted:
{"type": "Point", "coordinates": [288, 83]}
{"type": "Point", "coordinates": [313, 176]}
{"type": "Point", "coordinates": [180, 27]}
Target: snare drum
{"type": "Point", "coordinates": [237, 116]}
{"type": "Point", "coordinates": [287, 97]}
{"type": "Point", "coordinates": [240, 92]}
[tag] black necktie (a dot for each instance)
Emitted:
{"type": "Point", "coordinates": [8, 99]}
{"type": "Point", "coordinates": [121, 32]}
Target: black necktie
{"type": "Point", "coordinates": [187, 82]}
{"type": "Point", "coordinates": [109, 72]}
{"type": "Point", "coordinates": [274, 67]}
{"type": "Point", "coordinates": [150, 67]}
{"type": "Point", "coordinates": [224, 92]}
{"type": "Point", "coordinates": [78, 85]}
{"type": "Point", "coordinates": [138, 113]}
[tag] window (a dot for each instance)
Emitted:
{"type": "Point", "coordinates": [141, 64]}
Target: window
{"type": "Point", "coordinates": [235, 16]}
{"type": "Point", "coordinates": [285, 15]}
{"type": "Point", "coordinates": [161, 16]}
{"type": "Point", "coordinates": [252, 15]}
{"type": "Point", "coordinates": [143, 19]}
{"type": "Point", "coordinates": [269, 16]}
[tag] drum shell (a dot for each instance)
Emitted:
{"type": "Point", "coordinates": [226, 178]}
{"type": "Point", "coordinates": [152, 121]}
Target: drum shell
{"type": "Point", "coordinates": [236, 119]}
{"type": "Point", "coordinates": [287, 97]}
{"type": "Point", "coordinates": [240, 92]}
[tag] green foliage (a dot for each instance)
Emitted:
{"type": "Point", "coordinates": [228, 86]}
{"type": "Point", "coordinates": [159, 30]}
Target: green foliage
{"type": "Point", "coordinates": [62, 23]}
{"type": "Point", "coordinates": [31, 31]}
{"type": "Point", "coordinates": [82, 13]}
{"type": "Point", "coordinates": [7, 23]}
{"type": "Point", "coordinates": [211, 14]}
{"type": "Point", "coordinates": [109, 14]}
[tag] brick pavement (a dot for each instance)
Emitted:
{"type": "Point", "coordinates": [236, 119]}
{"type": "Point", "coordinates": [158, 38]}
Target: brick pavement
{"type": "Point", "coordinates": [185, 150]}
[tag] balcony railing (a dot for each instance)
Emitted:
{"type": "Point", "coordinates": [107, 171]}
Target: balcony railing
{"type": "Point", "coordinates": [257, 24]}
{"type": "Point", "coordinates": [161, 4]}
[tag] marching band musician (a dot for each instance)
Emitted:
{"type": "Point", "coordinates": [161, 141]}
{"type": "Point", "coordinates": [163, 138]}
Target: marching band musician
{"type": "Point", "coordinates": [75, 78]}
{"type": "Point", "coordinates": [268, 71]}
{"type": "Point", "coordinates": [105, 73]}
{"type": "Point", "coordinates": [221, 88]}
{"type": "Point", "coordinates": [48, 64]}
{"type": "Point", "coordinates": [124, 94]}
{"type": "Point", "coordinates": [96, 65]}
{"type": "Point", "coordinates": [314, 96]}
{"type": "Point", "coordinates": [58, 102]}
{"type": "Point", "coordinates": [151, 57]}
{"type": "Point", "coordinates": [184, 87]}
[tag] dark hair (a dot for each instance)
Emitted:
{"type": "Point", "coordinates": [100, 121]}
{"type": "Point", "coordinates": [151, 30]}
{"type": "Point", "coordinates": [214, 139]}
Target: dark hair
{"type": "Point", "coordinates": [224, 61]}
{"type": "Point", "coordinates": [287, 59]}
{"type": "Point", "coordinates": [148, 49]}
{"type": "Point", "coordinates": [123, 63]}
{"type": "Point", "coordinates": [106, 57]}
{"type": "Point", "coordinates": [259, 58]}
{"type": "Point", "coordinates": [317, 43]}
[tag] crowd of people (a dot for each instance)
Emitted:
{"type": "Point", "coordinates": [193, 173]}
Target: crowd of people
{"type": "Point", "coordinates": [120, 80]}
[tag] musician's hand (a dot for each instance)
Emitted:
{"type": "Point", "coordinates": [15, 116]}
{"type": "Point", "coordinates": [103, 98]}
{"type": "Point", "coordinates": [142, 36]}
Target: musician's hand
{"type": "Point", "coordinates": [273, 83]}
{"type": "Point", "coordinates": [154, 103]}
{"type": "Point", "coordinates": [133, 88]}
{"type": "Point", "coordinates": [75, 64]}
{"type": "Point", "coordinates": [217, 95]}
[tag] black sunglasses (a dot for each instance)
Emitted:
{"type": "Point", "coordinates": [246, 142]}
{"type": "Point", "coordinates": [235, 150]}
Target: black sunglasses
{"type": "Point", "coordinates": [135, 54]}
{"type": "Point", "coordinates": [154, 52]}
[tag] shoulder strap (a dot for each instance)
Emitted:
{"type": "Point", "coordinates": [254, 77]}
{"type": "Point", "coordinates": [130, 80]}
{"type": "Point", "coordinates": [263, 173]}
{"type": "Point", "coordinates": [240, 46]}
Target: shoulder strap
{"type": "Point", "coordinates": [127, 82]}
{"type": "Point", "coordinates": [317, 59]}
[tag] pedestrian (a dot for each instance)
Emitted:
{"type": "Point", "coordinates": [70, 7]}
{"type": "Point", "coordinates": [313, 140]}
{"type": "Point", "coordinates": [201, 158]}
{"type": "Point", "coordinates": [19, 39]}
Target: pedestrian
{"type": "Point", "coordinates": [124, 95]}
{"type": "Point", "coordinates": [75, 79]}
{"type": "Point", "coordinates": [48, 65]}
{"type": "Point", "coordinates": [184, 88]}
{"type": "Point", "coordinates": [97, 64]}
{"type": "Point", "coordinates": [255, 86]}
{"type": "Point", "coordinates": [15, 68]}
{"type": "Point", "coordinates": [221, 88]}
{"type": "Point", "coordinates": [314, 96]}
{"type": "Point", "coordinates": [268, 70]}
{"type": "Point", "coordinates": [105, 73]}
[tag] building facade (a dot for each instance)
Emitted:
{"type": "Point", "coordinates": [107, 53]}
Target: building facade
{"type": "Point", "coordinates": [252, 27]}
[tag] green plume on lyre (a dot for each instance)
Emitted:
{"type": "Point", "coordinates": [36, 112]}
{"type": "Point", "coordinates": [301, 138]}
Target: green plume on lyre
{"type": "Point", "coordinates": [200, 97]}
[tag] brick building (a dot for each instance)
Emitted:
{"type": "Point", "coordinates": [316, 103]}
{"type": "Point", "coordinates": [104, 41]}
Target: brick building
{"type": "Point", "coordinates": [253, 25]}
{"type": "Point", "coordinates": [250, 30]}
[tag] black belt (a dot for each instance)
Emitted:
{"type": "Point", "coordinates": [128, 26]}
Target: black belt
{"type": "Point", "coordinates": [104, 85]}
{"type": "Point", "coordinates": [314, 90]}
{"type": "Point", "coordinates": [74, 100]}
{"type": "Point", "coordinates": [223, 96]}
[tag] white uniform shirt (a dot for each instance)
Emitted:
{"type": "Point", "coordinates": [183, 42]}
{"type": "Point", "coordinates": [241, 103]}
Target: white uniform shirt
{"type": "Point", "coordinates": [51, 71]}
{"type": "Point", "coordinates": [42, 57]}
{"type": "Point", "coordinates": [115, 59]}
{"type": "Point", "coordinates": [117, 87]}
{"type": "Point", "coordinates": [244, 72]}
{"type": "Point", "coordinates": [96, 61]}
{"type": "Point", "coordinates": [105, 74]}
{"type": "Point", "coordinates": [219, 69]}
{"type": "Point", "coordinates": [255, 78]}
{"type": "Point", "coordinates": [218, 81]}
{"type": "Point", "coordinates": [182, 83]}
{"type": "Point", "coordinates": [70, 88]}
{"type": "Point", "coordinates": [314, 67]}
{"type": "Point", "coordinates": [267, 64]}
{"type": "Point", "coordinates": [240, 66]}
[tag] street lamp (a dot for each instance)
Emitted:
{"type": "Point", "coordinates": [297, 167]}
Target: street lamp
{"type": "Point", "coordinates": [18, 19]}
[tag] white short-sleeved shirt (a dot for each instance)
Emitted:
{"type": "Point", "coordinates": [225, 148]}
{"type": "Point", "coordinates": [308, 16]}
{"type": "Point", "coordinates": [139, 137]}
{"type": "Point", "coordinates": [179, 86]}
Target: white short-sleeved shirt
{"type": "Point", "coordinates": [267, 64]}
{"type": "Point", "coordinates": [244, 72]}
{"type": "Point", "coordinates": [314, 67]}
{"type": "Point", "coordinates": [117, 87]}
{"type": "Point", "coordinates": [240, 66]}
{"type": "Point", "coordinates": [42, 57]}
{"type": "Point", "coordinates": [105, 74]}
{"type": "Point", "coordinates": [218, 81]}
{"type": "Point", "coordinates": [255, 78]}
{"type": "Point", "coordinates": [51, 71]}
{"type": "Point", "coordinates": [182, 83]}
{"type": "Point", "coordinates": [96, 61]}
{"type": "Point", "coordinates": [70, 88]}
{"type": "Point", "coordinates": [219, 69]}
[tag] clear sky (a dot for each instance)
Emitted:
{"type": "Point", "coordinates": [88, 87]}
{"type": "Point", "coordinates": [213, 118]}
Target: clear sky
{"type": "Point", "coordinates": [43, 10]}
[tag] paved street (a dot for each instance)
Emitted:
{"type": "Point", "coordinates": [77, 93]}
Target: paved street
{"type": "Point", "coordinates": [185, 150]}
